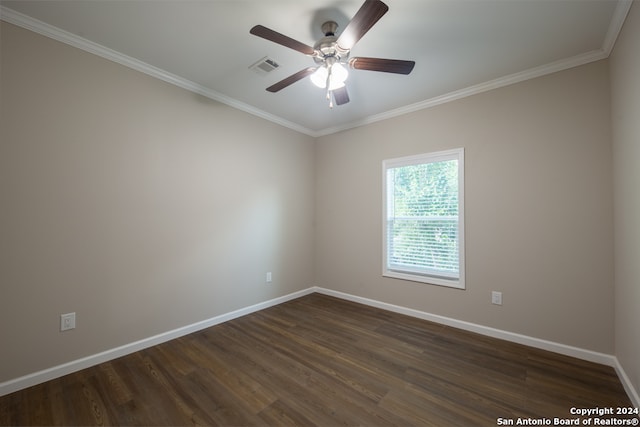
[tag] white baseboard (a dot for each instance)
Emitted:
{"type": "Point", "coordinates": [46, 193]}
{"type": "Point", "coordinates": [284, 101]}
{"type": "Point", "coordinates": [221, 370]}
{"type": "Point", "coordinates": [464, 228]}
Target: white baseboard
{"type": "Point", "coordinates": [86, 362]}
{"type": "Point", "coordinates": [626, 383]}
{"type": "Point", "coordinates": [592, 356]}
{"type": "Point", "coordinates": [579, 353]}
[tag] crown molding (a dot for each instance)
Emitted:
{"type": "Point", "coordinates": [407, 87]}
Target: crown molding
{"type": "Point", "coordinates": [617, 21]}
{"type": "Point", "coordinates": [55, 33]}
{"type": "Point", "coordinates": [615, 26]}
{"type": "Point", "coordinates": [531, 73]}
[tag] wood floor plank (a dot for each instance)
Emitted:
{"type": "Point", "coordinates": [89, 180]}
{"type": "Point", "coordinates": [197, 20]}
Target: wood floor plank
{"type": "Point", "coordinates": [279, 413]}
{"type": "Point", "coordinates": [322, 386]}
{"type": "Point", "coordinates": [321, 361]}
{"type": "Point", "coordinates": [358, 389]}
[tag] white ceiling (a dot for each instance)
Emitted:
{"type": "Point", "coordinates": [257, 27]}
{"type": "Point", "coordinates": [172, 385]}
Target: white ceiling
{"type": "Point", "coordinates": [460, 47]}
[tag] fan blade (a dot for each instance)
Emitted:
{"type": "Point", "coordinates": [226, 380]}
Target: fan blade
{"type": "Point", "coordinates": [385, 65]}
{"type": "Point", "coordinates": [341, 95]}
{"type": "Point", "coordinates": [370, 12]}
{"type": "Point", "coordinates": [281, 39]}
{"type": "Point", "coordinates": [291, 79]}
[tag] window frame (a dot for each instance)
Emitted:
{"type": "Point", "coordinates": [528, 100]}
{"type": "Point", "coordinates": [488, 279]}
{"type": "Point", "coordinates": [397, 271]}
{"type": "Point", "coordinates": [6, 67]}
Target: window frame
{"type": "Point", "coordinates": [433, 157]}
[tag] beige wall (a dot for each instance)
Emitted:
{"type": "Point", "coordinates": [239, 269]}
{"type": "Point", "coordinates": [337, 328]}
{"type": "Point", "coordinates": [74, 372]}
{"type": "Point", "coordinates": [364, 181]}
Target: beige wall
{"type": "Point", "coordinates": [138, 205]}
{"type": "Point", "coordinates": [539, 221]}
{"type": "Point", "coordinates": [625, 96]}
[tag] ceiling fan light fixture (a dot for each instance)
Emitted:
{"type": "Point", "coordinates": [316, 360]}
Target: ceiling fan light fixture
{"type": "Point", "coordinates": [319, 77]}
{"type": "Point", "coordinates": [339, 75]}
{"type": "Point", "coordinates": [331, 53]}
{"type": "Point", "coordinates": [335, 74]}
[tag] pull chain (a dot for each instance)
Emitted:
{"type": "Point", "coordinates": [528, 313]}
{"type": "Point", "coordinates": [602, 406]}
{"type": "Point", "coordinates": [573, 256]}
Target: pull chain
{"type": "Point", "coordinates": [329, 97]}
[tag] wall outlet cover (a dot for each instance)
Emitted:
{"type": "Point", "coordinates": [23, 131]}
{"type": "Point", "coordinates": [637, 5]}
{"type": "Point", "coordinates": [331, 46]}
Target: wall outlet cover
{"type": "Point", "coordinates": [67, 321]}
{"type": "Point", "coordinates": [496, 298]}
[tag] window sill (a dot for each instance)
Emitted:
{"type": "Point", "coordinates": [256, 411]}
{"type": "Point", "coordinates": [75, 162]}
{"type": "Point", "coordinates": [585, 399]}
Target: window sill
{"type": "Point", "coordinates": [438, 281]}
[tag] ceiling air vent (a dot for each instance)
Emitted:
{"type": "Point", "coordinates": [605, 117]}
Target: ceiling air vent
{"type": "Point", "coordinates": [264, 66]}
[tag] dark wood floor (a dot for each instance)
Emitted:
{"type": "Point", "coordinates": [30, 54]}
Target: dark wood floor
{"type": "Point", "coordinates": [321, 361]}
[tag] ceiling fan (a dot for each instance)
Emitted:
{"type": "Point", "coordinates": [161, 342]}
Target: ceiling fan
{"type": "Point", "coordinates": [331, 53]}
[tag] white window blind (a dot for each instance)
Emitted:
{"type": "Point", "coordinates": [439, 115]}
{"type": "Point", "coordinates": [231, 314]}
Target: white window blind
{"type": "Point", "coordinates": [424, 218]}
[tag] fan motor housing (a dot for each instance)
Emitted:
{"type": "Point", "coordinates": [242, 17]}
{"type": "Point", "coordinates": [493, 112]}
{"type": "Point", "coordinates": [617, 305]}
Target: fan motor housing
{"type": "Point", "coordinates": [327, 46]}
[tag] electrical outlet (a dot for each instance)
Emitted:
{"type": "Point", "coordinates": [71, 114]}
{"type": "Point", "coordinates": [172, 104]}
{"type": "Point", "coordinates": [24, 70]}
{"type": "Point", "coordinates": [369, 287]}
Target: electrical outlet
{"type": "Point", "coordinates": [496, 298]}
{"type": "Point", "coordinates": [268, 278]}
{"type": "Point", "coordinates": [67, 321]}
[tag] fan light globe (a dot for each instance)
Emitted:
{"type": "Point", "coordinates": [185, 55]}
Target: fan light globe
{"type": "Point", "coordinates": [338, 76]}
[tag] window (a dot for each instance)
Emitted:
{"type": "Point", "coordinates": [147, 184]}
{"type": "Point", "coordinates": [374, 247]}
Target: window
{"type": "Point", "coordinates": [423, 227]}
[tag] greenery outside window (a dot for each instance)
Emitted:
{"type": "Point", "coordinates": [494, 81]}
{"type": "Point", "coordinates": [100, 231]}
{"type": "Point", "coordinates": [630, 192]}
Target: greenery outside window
{"type": "Point", "coordinates": [423, 222]}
